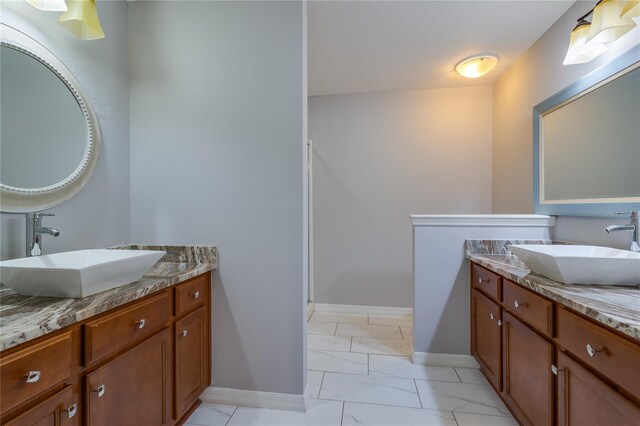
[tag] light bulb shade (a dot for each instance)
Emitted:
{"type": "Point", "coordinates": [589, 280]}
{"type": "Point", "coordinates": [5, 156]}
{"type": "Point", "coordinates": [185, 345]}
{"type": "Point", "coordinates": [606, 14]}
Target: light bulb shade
{"type": "Point", "coordinates": [581, 51]}
{"type": "Point", "coordinates": [49, 5]}
{"type": "Point", "coordinates": [607, 25]}
{"type": "Point", "coordinates": [82, 19]}
{"type": "Point", "coordinates": [476, 66]}
{"type": "Point", "coordinates": [631, 9]}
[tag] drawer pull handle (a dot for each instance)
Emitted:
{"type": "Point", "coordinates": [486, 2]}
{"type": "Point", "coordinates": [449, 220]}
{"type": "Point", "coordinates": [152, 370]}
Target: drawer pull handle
{"type": "Point", "coordinates": [592, 352]}
{"type": "Point", "coordinates": [184, 333]}
{"type": "Point", "coordinates": [196, 294]}
{"type": "Point", "coordinates": [72, 410]}
{"type": "Point", "coordinates": [100, 390]}
{"type": "Point", "coordinates": [492, 317]}
{"type": "Point", "coordinates": [518, 304]}
{"type": "Point", "coordinates": [482, 281]}
{"type": "Point", "coordinates": [141, 323]}
{"type": "Point", "coordinates": [500, 323]}
{"type": "Point", "coordinates": [555, 369]}
{"type": "Point", "coordinates": [32, 376]}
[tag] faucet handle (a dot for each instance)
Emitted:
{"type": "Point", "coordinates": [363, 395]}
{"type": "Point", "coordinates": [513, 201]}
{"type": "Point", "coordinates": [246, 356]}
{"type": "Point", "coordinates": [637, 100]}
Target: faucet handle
{"type": "Point", "coordinates": [44, 214]}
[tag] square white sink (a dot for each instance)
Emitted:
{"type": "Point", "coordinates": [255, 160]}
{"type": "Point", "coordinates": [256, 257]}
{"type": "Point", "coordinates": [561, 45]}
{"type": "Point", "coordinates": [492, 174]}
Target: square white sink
{"type": "Point", "coordinates": [76, 274]}
{"type": "Point", "coordinates": [571, 264]}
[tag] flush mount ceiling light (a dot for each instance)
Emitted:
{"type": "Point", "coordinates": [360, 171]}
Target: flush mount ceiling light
{"type": "Point", "coordinates": [611, 20]}
{"type": "Point", "coordinates": [82, 20]}
{"type": "Point", "coordinates": [608, 24]}
{"type": "Point", "coordinates": [477, 65]}
{"type": "Point", "coordinates": [49, 5]}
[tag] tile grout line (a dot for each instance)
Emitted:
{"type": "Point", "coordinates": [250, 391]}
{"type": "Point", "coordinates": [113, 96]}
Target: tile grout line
{"type": "Point", "coordinates": [459, 378]}
{"type": "Point", "coordinates": [342, 416]}
{"type": "Point", "coordinates": [234, 412]}
{"type": "Point", "coordinates": [321, 383]}
{"type": "Point", "coordinates": [418, 393]}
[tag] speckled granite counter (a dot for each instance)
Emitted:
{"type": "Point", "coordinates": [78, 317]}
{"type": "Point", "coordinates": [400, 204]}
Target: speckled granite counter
{"type": "Point", "coordinates": [23, 318]}
{"type": "Point", "coordinates": [615, 306]}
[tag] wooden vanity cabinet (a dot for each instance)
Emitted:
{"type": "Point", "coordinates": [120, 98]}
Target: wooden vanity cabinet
{"type": "Point", "coordinates": [486, 337]}
{"type": "Point", "coordinates": [527, 386]}
{"type": "Point", "coordinates": [130, 365]}
{"type": "Point", "coordinates": [583, 399]}
{"type": "Point", "coordinates": [191, 359]}
{"type": "Point", "coordinates": [558, 367]}
{"type": "Point", "coordinates": [134, 388]}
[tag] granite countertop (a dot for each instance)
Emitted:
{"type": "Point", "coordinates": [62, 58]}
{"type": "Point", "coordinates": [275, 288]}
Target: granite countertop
{"type": "Point", "coordinates": [23, 318]}
{"type": "Point", "coordinates": [614, 306]}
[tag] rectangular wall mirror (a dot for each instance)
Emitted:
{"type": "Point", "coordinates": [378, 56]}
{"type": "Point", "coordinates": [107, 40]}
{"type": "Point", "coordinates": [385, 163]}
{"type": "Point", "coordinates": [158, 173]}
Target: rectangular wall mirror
{"type": "Point", "coordinates": [587, 143]}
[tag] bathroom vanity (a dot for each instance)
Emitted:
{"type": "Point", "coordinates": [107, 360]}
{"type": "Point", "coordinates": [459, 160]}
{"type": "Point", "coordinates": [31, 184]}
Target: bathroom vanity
{"type": "Point", "coordinates": [139, 354]}
{"type": "Point", "coordinates": [556, 354]}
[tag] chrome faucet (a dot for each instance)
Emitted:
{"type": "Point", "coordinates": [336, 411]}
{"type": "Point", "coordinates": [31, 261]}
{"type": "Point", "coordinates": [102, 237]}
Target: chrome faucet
{"type": "Point", "coordinates": [632, 226]}
{"type": "Point", "coordinates": [35, 230]}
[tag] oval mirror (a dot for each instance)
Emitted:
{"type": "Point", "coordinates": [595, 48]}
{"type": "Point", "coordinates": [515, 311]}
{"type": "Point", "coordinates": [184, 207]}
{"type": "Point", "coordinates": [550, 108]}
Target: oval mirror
{"type": "Point", "coordinates": [49, 135]}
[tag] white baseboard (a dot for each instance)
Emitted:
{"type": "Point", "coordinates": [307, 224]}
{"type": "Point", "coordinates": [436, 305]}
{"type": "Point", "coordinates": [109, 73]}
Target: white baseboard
{"type": "Point", "coordinates": [444, 360]}
{"type": "Point", "coordinates": [256, 399]}
{"type": "Point", "coordinates": [361, 309]}
{"type": "Point", "coordinates": [310, 309]}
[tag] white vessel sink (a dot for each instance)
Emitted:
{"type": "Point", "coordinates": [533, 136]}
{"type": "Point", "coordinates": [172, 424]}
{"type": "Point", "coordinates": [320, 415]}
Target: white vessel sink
{"type": "Point", "coordinates": [76, 273]}
{"type": "Point", "coordinates": [571, 264]}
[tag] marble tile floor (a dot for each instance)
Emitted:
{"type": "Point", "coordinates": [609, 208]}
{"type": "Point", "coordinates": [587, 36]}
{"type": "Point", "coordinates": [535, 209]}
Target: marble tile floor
{"type": "Point", "coordinates": [360, 373]}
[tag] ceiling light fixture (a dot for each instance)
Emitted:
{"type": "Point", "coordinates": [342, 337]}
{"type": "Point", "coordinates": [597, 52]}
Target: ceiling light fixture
{"type": "Point", "coordinates": [82, 19]}
{"type": "Point", "coordinates": [611, 20]}
{"type": "Point", "coordinates": [477, 65]}
{"type": "Point", "coordinates": [49, 5]}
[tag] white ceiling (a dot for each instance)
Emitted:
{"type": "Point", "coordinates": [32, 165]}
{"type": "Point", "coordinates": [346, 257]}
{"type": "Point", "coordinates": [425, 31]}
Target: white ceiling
{"type": "Point", "coordinates": [372, 46]}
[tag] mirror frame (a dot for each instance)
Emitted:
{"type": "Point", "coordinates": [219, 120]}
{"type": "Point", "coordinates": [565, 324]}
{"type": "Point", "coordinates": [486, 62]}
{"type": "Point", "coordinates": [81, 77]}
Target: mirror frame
{"type": "Point", "coordinates": [624, 63]}
{"type": "Point", "coordinates": [24, 200]}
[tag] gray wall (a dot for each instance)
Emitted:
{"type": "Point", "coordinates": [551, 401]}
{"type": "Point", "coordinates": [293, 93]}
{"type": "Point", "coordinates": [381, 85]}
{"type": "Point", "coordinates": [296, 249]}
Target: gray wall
{"type": "Point", "coordinates": [217, 105]}
{"type": "Point", "coordinates": [99, 215]}
{"type": "Point", "coordinates": [538, 74]}
{"type": "Point", "coordinates": [378, 158]}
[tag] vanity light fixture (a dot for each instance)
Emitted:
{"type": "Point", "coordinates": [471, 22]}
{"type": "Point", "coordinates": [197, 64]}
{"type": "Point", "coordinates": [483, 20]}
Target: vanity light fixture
{"type": "Point", "coordinates": [82, 19]}
{"type": "Point", "coordinates": [580, 50]}
{"type": "Point", "coordinates": [477, 65]}
{"type": "Point", "coordinates": [608, 24]}
{"type": "Point", "coordinates": [49, 5]}
{"type": "Point", "coordinates": [611, 20]}
{"type": "Point", "coordinates": [631, 9]}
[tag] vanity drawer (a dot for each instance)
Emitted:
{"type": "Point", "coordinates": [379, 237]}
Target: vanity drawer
{"type": "Point", "coordinates": [27, 373]}
{"type": "Point", "coordinates": [115, 331]}
{"type": "Point", "coordinates": [614, 357]}
{"type": "Point", "coordinates": [191, 294]}
{"type": "Point", "coordinates": [534, 310]}
{"type": "Point", "coordinates": [485, 281]}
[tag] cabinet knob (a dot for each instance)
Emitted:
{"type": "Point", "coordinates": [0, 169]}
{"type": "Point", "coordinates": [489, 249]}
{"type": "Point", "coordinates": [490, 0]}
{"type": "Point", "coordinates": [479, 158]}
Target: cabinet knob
{"type": "Point", "coordinates": [140, 323]}
{"type": "Point", "coordinates": [196, 294]}
{"type": "Point", "coordinates": [184, 333]}
{"type": "Point", "coordinates": [32, 376]}
{"type": "Point", "coordinates": [492, 317]}
{"type": "Point", "coordinates": [71, 410]}
{"type": "Point", "coordinates": [100, 390]}
{"type": "Point", "coordinates": [555, 369]}
{"type": "Point", "coordinates": [592, 352]}
{"type": "Point", "coordinates": [500, 323]}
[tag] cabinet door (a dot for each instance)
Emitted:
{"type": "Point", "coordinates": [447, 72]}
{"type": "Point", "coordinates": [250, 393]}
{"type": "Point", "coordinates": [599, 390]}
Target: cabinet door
{"type": "Point", "coordinates": [527, 377]}
{"type": "Point", "coordinates": [585, 400]}
{"type": "Point", "coordinates": [58, 410]}
{"type": "Point", "coordinates": [134, 388]}
{"type": "Point", "coordinates": [485, 336]}
{"type": "Point", "coordinates": [191, 359]}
